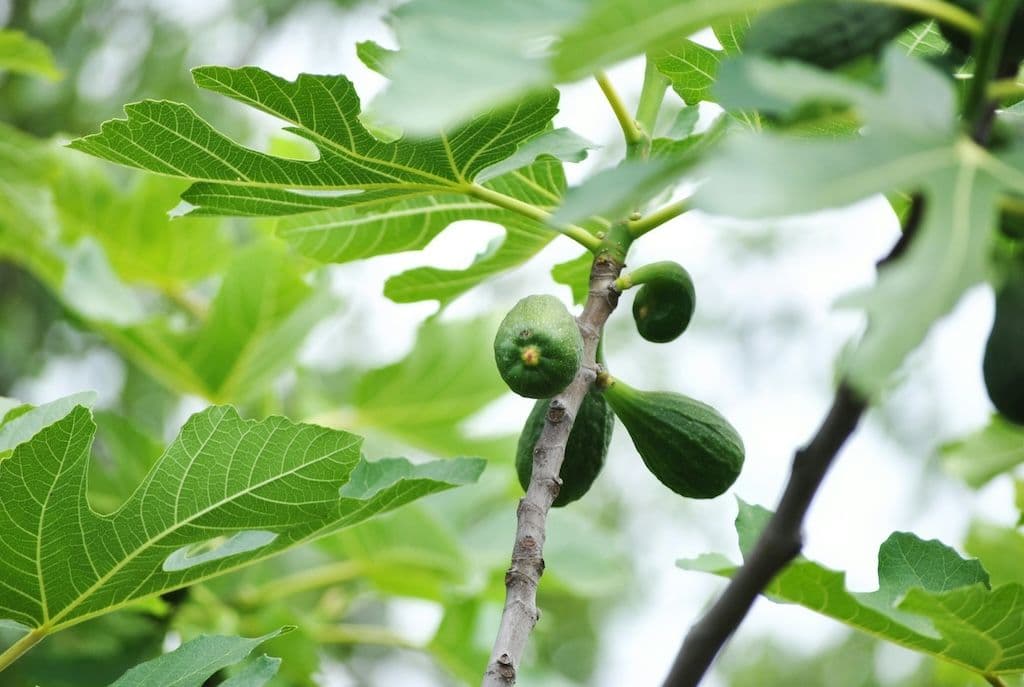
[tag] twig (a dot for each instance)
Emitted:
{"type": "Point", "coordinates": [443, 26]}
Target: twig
{"type": "Point", "coordinates": [520, 613]}
{"type": "Point", "coordinates": [652, 94]}
{"type": "Point", "coordinates": [639, 227]}
{"type": "Point", "coordinates": [362, 634]}
{"type": "Point", "coordinates": [994, 680]}
{"type": "Point", "coordinates": [630, 131]}
{"type": "Point", "coordinates": [782, 538]}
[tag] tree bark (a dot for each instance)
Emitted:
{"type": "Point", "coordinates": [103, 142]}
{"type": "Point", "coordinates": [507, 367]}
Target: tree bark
{"type": "Point", "coordinates": [520, 613]}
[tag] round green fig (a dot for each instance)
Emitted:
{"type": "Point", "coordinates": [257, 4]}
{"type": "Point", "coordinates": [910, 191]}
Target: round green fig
{"type": "Point", "coordinates": [686, 444]}
{"type": "Point", "coordinates": [538, 347]}
{"type": "Point", "coordinates": [665, 302]}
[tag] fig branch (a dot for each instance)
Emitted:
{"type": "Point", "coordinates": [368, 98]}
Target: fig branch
{"type": "Point", "coordinates": [520, 612]}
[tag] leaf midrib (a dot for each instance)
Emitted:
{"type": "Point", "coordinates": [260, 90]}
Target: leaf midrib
{"type": "Point", "coordinates": [77, 601]}
{"type": "Point", "coordinates": [334, 145]}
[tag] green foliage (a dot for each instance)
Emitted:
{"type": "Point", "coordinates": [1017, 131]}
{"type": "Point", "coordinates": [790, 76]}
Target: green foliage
{"type": "Point", "coordinates": [372, 197]}
{"type": "Point", "coordinates": [618, 191]}
{"type": "Point", "coordinates": [198, 513]}
{"type": "Point", "coordinates": [102, 518]}
{"type": "Point", "coordinates": [191, 664]}
{"type": "Point", "coordinates": [575, 274]}
{"type": "Point", "coordinates": [692, 67]}
{"type": "Point", "coordinates": [171, 139]}
{"type": "Point", "coordinates": [929, 598]}
{"type": "Point", "coordinates": [19, 53]}
{"type": "Point", "coordinates": [911, 142]}
{"type": "Point", "coordinates": [827, 34]}
{"type": "Point", "coordinates": [996, 448]}
{"type": "Point", "coordinates": [425, 398]}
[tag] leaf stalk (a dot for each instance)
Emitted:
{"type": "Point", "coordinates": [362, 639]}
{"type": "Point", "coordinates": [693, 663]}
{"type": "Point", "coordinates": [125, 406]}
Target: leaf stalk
{"type": "Point", "coordinates": [578, 234]}
{"type": "Point", "coordinates": [639, 227]}
{"type": "Point", "coordinates": [652, 94]}
{"type": "Point", "coordinates": [20, 647]}
{"type": "Point", "coordinates": [631, 131]}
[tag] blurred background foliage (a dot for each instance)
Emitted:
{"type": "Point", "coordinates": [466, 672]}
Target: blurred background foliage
{"type": "Point", "coordinates": [99, 288]}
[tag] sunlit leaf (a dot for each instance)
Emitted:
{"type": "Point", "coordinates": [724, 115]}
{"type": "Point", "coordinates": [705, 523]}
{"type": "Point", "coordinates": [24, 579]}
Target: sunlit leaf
{"type": "Point", "coordinates": [19, 53]}
{"type": "Point", "coordinates": [617, 192]}
{"type": "Point", "coordinates": [227, 492]}
{"type": "Point", "coordinates": [346, 234]}
{"type": "Point", "coordinates": [992, 450]}
{"type": "Point", "coordinates": [191, 664]}
{"type": "Point", "coordinates": [460, 58]}
{"type": "Point", "coordinates": [256, 323]}
{"type": "Point", "coordinates": [911, 141]}
{"type": "Point", "coordinates": [929, 599]}
{"type": "Point", "coordinates": [447, 377]}
{"type": "Point", "coordinates": [354, 167]}
{"type": "Point", "coordinates": [575, 274]}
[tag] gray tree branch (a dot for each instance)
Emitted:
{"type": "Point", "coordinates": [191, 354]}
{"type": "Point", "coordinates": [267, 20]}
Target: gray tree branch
{"type": "Point", "coordinates": [520, 613]}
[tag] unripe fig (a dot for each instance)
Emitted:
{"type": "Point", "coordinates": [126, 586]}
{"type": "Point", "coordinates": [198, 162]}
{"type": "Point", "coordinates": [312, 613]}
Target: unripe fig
{"type": "Point", "coordinates": [686, 444]}
{"type": "Point", "coordinates": [665, 302]}
{"type": "Point", "coordinates": [585, 451]}
{"type": "Point", "coordinates": [538, 347]}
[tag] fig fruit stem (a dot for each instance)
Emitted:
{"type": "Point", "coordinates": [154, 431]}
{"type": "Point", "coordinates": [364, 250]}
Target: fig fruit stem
{"type": "Point", "coordinates": [1005, 88]}
{"type": "Point", "coordinates": [520, 612]}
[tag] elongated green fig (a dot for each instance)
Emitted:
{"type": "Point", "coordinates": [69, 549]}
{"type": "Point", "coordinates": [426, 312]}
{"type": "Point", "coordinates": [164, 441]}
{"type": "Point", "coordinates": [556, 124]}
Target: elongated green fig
{"type": "Point", "coordinates": [665, 302]}
{"type": "Point", "coordinates": [585, 450]}
{"type": "Point", "coordinates": [686, 444]}
{"type": "Point", "coordinates": [538, 347]}
{"type": "Point", "coordinates": [826, 33]}
{"type": "Point", "coordinates": [1003, 365]}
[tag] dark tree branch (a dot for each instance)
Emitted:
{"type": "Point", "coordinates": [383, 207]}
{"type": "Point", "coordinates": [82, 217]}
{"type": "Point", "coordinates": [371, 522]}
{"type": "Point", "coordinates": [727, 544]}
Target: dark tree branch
{"type": "Point", "coordinates": [779, 543]}
{"type": "Point", "coordinates": [520, 613]}
{"type": "Point", "coordinates": [782, 538]}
